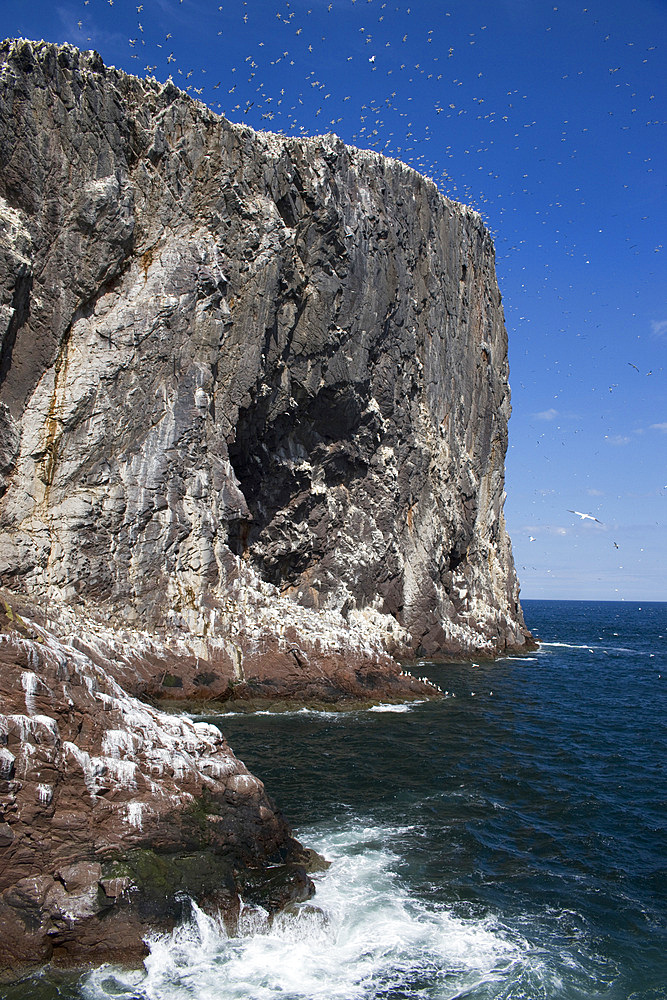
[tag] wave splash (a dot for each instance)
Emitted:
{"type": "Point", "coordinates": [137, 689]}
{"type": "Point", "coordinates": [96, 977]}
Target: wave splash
{"type": "Point", "coordinates": [366, 937]}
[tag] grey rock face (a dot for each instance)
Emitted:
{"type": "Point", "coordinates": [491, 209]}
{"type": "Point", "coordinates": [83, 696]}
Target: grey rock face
{"type": "Point", "coordinates": [243, 371]}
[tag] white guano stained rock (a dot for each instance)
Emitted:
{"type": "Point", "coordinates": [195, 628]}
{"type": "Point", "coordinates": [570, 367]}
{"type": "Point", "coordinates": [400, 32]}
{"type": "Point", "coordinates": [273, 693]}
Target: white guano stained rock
{"type": "Point", "coordinates": [254, 394]}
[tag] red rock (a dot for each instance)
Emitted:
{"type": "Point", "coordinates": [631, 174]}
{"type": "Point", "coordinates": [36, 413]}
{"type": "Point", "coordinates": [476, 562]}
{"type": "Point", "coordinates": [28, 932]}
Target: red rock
{"type": "Point", "coordinates": [115, 811]}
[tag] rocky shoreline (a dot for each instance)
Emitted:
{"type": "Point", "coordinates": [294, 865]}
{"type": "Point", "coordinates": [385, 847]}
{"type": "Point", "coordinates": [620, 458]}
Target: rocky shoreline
{"type": "Point", "coordinates": [115, 815]}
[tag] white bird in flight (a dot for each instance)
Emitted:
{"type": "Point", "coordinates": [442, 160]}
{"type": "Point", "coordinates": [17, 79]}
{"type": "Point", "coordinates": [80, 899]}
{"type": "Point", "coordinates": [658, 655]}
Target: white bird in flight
{"type": "Point", "coordinates": [584, 517]}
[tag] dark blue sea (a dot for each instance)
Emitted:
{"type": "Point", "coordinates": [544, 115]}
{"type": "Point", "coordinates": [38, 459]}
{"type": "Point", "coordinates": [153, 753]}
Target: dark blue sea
{"type": "Point", "coordinates": [509, 841]}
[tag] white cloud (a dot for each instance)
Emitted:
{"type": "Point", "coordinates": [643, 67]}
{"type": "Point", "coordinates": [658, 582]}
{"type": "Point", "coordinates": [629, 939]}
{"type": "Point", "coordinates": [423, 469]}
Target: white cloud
{"type": "Point", "coordinates": [658, 327]}
{"type": "Point", "coordinates": [618, 439]}
{"type": "Point", "coordinates": [659, 427]}
{"type": "Point", "coordinates": [101, 39]}
{"type": "Point", "coordinates": [546, 414]}
{"type": "Point", "coordinates": [595, 493]}
{"type": "Point", "coordinates": [545, 529]}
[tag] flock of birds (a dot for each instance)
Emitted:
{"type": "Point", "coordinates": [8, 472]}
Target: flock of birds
{"type": "Point", "coordinates": [283, 66]}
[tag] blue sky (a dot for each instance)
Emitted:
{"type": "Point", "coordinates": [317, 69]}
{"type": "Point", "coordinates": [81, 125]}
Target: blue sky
{"type": "Point", "coordinates": [547, 117]}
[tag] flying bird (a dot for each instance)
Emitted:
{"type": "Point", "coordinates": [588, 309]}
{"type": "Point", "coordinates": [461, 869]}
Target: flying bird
{"type": "Point", "coordinates": [584, 517]}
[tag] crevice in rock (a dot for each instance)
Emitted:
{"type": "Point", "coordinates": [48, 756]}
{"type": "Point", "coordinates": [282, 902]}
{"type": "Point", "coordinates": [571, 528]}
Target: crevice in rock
{"type": "Point", "coordinates": [285, 206]}
{"type": "Point", "coordinates": [456, 558]}
{"type": "Point", "coordinates": [238, 531]}
{"type": "Point", "coordinates": [21, 306]}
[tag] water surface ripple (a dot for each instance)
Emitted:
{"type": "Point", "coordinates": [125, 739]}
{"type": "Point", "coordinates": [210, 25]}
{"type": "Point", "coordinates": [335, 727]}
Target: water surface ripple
{"type": "Point", "coordinates": [505, 842]}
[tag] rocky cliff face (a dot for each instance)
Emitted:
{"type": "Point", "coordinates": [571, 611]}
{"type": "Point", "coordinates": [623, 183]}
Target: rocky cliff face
{"type": "Point", "coordinates": [254, 388]}
{"type": "Point", "coordinates": [253, 420]}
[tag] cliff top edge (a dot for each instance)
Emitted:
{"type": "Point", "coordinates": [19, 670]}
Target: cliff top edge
{"type": "Point", "coordinates": [89, 61]}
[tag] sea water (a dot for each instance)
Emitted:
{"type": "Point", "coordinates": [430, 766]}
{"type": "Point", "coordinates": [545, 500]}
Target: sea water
{"type": "Point", "coordinates": [508, 841]}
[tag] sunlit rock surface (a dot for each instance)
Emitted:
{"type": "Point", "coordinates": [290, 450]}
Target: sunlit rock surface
{"type": "Point", "coordinates": [244, 376]}
{"type": "Point", "coordinates": [113, 814]}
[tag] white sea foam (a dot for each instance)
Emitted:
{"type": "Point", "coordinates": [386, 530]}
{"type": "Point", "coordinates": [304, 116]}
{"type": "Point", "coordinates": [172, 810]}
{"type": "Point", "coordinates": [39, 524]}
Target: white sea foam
{"type": "Point", "coordinates": [517, 659]}
{"type": "Point", "coordinates": [322, 713]}
{"type": "Point", "coordinates": [281, 713]}
{"type": "Point", "coordinates": [563, 645]}
{"type": "Point", "coordinates": [405, 706]}
{"type": "Point", "coordinates": [594, 648]}
{"type": "Point", "coordinates": [364, 935]}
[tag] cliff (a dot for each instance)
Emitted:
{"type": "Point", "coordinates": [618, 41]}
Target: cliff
{"type": "Point", "coordinates": [253, 420]}
{"type": "Point", "coordinates": [254, 388]}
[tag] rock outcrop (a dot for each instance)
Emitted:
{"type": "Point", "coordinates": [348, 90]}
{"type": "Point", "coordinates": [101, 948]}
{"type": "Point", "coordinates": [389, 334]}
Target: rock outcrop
{"type": "Point", "coordinates": [114, 815]}
{"type": "Point", "coordinates": [253, 421]}
{"type": "Point", "coordinates": [254, 388]}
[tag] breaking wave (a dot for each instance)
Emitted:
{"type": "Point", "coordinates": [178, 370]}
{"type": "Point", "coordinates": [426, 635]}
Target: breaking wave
{"type": "Point", "coordinates": [363, 936]}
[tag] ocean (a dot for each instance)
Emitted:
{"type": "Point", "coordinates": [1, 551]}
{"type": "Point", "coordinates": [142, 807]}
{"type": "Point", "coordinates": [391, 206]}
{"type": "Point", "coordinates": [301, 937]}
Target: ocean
{"type": "Point", "coordinates": [508, 841]}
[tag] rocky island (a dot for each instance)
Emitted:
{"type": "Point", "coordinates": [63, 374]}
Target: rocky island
{"type": "Point", "coordinates": [253, 421]}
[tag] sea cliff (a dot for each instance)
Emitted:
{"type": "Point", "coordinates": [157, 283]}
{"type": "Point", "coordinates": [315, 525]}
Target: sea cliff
{"type": "Point", "coordinates": [249, 383]}
{"type": "Point", "coordinates": [253, 421]}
